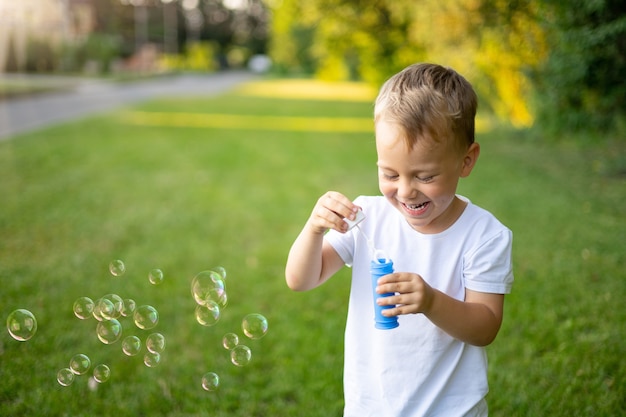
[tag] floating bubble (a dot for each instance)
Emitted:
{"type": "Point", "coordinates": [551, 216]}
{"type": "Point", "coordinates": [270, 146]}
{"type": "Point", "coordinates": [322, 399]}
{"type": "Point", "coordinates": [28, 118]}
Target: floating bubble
{"type": "Point", "coordinates": [21, 325]}
{"type": "Point", "coordinates": [240, 355]}
{"type": "Point", "coordinates": [209, 286]}
{"type": "Point", "coordinates": [80, 364]}
{"type": "Point", "coordinates": [109, 331]}
{"type": "Point", "coordinates": [131, 345]}
{"type": "Point", "coordinates": [118, 306]}
{"type": "Point", "coordinates": [155, 276]}
{"type": "Point", "coordinates": [146, 317]}
{"type": "Point", "coordinates": [254, 326]}
{"type": "Point", "coordinates": [129, 307]}
{"type": "Point", "coordinates": [151, 359]}
{"type": "Point", "coordinates": [210, 381]}
{"type": "Point", "coordinates": [223, 300]}
{"type": "Point", "coordinates": [230, 340]}
{"type": "Point", "coordinates": [103, 309]}
{"type": "Point", "coordinates": [83, 307]}
{"type": "Point", "coordinates": [117, 268]}
{"type": "Point", "coordinates": [101, 373]}
{"type": "Point", "coordinates": [220, 270]}
{"type": "Point", "coordinates": [65, 377]}
{"type": "Point", "coordinates": [209, 314]}
{"type": "Point", "coordinates": [155, 343]}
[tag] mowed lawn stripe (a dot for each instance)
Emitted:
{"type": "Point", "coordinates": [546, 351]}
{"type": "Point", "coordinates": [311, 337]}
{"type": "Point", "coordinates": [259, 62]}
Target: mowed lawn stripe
{"type": "Point", "coordinates": [249, 122]}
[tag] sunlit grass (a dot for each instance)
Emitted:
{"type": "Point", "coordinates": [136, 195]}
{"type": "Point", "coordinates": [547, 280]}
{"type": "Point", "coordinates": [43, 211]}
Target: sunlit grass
{"type": "Point", "coordinates": [307, 89]}
{"type": "Point", "coordinates": [186, 199]}
{"type": "Point", "coordinates": [249, 122]}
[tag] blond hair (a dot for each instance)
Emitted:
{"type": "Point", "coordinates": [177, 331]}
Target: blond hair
{"type": "Point", "coordinates": [429, 100]}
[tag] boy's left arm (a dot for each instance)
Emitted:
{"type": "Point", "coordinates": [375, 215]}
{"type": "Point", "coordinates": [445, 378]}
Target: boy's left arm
{"type": "Point", "coordinates": [475, 321]}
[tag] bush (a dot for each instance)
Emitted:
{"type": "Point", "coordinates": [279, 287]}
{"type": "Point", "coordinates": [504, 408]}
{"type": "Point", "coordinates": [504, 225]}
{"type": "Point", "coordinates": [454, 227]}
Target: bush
{"type": "Point", "coordinates": [581, 86]}
{"type": "Point", "coordinates": [198, 56]}
{"type": "Point", "coordinates": [41, 57]}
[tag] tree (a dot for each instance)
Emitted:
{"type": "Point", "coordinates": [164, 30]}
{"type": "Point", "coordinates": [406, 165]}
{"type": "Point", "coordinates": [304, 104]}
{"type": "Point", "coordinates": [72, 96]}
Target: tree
{"type": "Point", "coordinates": [563, 63]}
{"type": "Point", "coordinates": [582, 84]}
{"type": "Point", "coordinates": [372, 39]}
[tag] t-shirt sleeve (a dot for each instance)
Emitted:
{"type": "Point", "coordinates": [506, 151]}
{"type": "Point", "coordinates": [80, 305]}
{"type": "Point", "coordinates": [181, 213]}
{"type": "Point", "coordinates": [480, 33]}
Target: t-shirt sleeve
{"type": "Point", "coordinates": [489, 267]}
{"type": "Point", "coordinates": [343, 245]}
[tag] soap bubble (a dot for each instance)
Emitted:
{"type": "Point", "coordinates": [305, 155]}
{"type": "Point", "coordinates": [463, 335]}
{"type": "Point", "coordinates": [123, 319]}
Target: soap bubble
{"type": "Point", "coordinates": [146, 317]}
{"type": "Point", "coordinates": [210, 381]}
{"type": "Point", "coordinates": [103, 309]}
{"type": "Point", "coordinates": [240, 355]}
{"type": "Point", "coordinates": [118, 306]}
{"type": "Point", "coordinates": [254, 326]}
{"type": "Point", "coordinates": [83, 307]}
{"type": "Point", "coordinates": [21, 325]}
{"type": "Point", "coordinates": [117, 268]}
{"type": "Point", "coordinates": [155, 276]}
{"type": "Point", "coordinates": [101, 373]}
{"type": "Point", "coordinates": [155, 343]}
{"type": "Point", "coordinates": [220, 270]}
{"type": "Point", "coordinates": [209, 314]}
{"type": "Point", "coordinates": [131, 345]}
{"type": "Point", "coordinates": [80, 364]}
{"type": "Point", "coordinates": [151, 359]}
{"type": "Point", "coordinates": [209, 286]}
{"type": "Point", "coordinates": [65, 377]}
{"type": "Point", "coordinates": [230, 340]}
{"type": "Point", "coordinates": [129, 307]}
{"type": "Point", "coordinates": [109, 331]}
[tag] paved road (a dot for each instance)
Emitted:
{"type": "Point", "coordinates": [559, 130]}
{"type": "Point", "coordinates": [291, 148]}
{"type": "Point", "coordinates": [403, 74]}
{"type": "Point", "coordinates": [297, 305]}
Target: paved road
{"type": "Point", "coordinates": [87, 97]}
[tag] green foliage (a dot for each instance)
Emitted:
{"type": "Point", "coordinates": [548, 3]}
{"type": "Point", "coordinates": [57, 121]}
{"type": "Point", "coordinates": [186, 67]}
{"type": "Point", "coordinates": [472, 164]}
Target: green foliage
{"type": "Point", "coordinates": [98, 51]}
{"type": "Point", "coordinates": [40, 56]}
{"type": "Point", "coordinates": [103, 49]}
{"type": "Point", "coordinates": [198, 56]}
{"type": "Point", "coordinates": [562, 63]}
{"type": "Point", "coordinates": [292, 34]}
{"type": "Point", "coordinates": [366, 41]}
{"type": "Point", "coordinates": [371, 40]}
{"type": "Point", "coordinates": [581, 85]}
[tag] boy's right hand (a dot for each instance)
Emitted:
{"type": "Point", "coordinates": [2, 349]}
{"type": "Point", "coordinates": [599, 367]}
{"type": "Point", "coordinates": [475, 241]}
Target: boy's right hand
{"type": "Point", "coordinates": [329, 213]}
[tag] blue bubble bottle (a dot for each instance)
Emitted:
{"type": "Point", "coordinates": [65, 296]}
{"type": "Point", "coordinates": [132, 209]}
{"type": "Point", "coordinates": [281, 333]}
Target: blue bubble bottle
{"type": "Point", "coordinates": [378, 269]}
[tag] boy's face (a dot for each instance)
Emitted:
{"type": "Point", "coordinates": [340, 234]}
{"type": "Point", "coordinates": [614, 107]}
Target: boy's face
{"type": "Point", "coordinates": [421, 182]}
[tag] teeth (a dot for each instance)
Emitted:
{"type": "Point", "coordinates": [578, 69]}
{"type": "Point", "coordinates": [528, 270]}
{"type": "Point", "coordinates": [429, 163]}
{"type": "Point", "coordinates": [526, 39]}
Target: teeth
{"type": "Point", "coordinates": [414, 206]}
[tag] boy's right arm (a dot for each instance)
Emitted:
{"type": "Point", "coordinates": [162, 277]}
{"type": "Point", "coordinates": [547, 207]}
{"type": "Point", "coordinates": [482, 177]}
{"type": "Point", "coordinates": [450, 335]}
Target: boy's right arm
{"type": "Point", "coordinates": [311, 261]}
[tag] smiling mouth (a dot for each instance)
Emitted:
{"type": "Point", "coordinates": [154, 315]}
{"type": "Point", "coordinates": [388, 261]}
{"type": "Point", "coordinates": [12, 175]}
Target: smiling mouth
{"type": "Point", "coordinates": [416, 209]}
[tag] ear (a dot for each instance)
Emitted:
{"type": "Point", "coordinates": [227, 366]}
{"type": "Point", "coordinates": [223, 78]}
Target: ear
{"type": "Point", "coordinates": [469, 159]}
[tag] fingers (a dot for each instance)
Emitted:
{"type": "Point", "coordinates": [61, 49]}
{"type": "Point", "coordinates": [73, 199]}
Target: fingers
{"type": "Point", "coordinates": [330, 210]}
{"type": "Point", "coordinates": [410, 293]}
{"type": "Point", "coordinates": [399, 282]}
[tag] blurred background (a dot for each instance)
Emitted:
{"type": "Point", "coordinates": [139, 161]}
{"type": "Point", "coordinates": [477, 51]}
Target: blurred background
{"type": "Point", "coordinates": [220, 122]}
{"type": "Point", "coordinates": [561, 64]}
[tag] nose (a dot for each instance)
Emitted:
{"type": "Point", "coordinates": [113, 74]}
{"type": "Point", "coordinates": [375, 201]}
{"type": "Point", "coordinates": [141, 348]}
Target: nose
{"type": "Point", "coordinates": [406, 188]}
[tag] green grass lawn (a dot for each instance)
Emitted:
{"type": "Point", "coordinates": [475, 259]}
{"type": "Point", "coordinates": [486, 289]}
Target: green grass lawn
{"type": "Point", "coordinates": [186, 199]}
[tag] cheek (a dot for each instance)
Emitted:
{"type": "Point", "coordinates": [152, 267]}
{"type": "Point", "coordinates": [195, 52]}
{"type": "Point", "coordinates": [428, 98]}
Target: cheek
{"type": "Point", "coordinates": [385, 188]}
{"type": "Point", "coordinates": [443, 195]}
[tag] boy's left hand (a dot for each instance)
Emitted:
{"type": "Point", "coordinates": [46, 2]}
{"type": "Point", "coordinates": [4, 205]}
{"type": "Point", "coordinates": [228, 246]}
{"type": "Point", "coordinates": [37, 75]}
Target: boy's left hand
{"type": "Point", "coordinates": [413, 294]}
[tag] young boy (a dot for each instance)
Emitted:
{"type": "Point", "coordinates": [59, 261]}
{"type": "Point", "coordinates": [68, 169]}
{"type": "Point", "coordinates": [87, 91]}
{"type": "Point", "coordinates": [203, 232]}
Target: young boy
{"type": "Point", "coordinates": [452, 259]}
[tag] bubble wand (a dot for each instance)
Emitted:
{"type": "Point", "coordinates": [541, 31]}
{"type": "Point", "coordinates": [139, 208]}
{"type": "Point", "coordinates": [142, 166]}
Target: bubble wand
{"type": "Point", "coordinates": [377, 255]}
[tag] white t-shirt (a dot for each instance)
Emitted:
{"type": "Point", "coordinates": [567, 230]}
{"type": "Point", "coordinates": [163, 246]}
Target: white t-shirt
{"type": "Point", "coordinates": [417, 369]}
